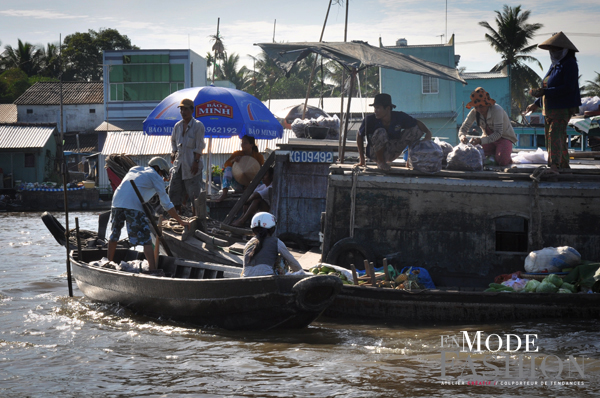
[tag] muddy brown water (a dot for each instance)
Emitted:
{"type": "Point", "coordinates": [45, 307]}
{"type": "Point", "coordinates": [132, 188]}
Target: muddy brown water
{"type": "Point", "coordinates": [53, 345]}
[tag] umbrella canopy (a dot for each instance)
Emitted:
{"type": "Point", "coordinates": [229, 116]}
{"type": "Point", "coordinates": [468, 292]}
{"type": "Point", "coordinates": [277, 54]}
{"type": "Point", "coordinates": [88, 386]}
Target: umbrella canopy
{"type": "Point", "coordinates": [359, 55]}
{"type": "Point", "coordinates": [225, 112]}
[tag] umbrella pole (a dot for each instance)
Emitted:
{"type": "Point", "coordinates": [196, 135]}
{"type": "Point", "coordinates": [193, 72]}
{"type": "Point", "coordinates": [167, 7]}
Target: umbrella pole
{"type": "Point", "coordinates": [208, 168]}
{"type": "Point", "coordinates": [343, 150]}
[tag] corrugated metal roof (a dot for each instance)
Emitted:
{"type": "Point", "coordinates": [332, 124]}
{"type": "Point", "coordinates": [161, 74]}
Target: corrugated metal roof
{"type": "Point", "coordinates": [8, 113]}
{"type": "Point", "coordinates": [24, 137]}
{"type": "Point", "coordinates": [121, 125]}
{"type": "Point", "coordinates": [138, 143]}
{"type": "Point", "coordinates": [74, 93]}
{"type": "Point", "coordinates": [482, 75]}
{"type": "Point", "coordinates": [88, 142]}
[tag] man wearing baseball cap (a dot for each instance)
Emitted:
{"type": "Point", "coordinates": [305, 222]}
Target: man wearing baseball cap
{"type": "Point", "coordinates": [388, 133]}
{"type": "Point", "coordinates": [187, 142]}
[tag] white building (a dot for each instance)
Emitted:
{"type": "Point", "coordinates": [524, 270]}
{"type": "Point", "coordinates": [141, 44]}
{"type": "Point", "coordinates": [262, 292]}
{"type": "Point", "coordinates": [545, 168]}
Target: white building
{"type": "Point", "coordinates": [82, 108]}
{"type": "Point", "coordinates": [135, 81]}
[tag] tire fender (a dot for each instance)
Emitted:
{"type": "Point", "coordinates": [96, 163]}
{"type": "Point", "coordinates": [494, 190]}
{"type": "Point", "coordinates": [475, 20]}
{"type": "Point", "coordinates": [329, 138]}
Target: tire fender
{"type": "Point", "coordinates": [316, 293]}
{"type": "Point", "coordinates": [344, 245]}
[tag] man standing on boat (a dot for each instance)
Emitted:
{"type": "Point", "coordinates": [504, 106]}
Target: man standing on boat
{"type": "Point", "coordinates": [388, 133]}
{"type": "Point", "coordinates": [126, 206]}
{"type": "Point", "coordinates": [187, 143]}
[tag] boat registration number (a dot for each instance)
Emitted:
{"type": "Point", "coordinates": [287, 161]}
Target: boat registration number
{"type": "Point", "coordinates": [311, 157]}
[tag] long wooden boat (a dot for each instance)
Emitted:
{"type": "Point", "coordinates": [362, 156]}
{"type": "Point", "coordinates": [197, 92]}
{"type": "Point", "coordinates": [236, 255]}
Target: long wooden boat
{"type": "Point", "coordinates": [392, 305]}
{"type": "Point", "coordinates": [205, 294]}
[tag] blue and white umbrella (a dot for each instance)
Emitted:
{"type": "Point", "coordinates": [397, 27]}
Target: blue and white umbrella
{"type": "Point", "coordinates": [225, 112]}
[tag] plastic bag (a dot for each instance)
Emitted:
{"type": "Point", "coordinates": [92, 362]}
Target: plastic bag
{"type": "Point", "coordinates": [446, 149]}
{"type": "Point", "coordinates": [552, 259]}
{"type": "Point", "coordinates": [517, 284]}
{"type": "Point", "coordinates": [527, 157]}
{"type": "Point", "coordinates": [465, 157]}
{"type": "Point", "coordinates": [423, 276]}
{"type": "Point", "coordinates": [426, 156]}
{"type": "Point", "coordinates": [299, 127]}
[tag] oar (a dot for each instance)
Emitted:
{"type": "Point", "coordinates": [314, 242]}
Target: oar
{"type": "Point", "coordinates": [151, 219]}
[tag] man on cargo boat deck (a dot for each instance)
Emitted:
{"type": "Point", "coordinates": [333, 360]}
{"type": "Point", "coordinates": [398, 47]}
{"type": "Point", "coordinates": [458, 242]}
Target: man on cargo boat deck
{"type": "Point", "coordinates": [388, 133]}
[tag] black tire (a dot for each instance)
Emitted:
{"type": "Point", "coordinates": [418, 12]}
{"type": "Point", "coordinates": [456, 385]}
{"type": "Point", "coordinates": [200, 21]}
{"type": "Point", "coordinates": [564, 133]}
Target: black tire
{"type": "Point", "coordinates": [55, 227]}
{"type": "Point", "coordinates": [315, 293]}
{"type": "Point", "coordinates": [294, 241]}
{"type": "Point", "coordinates": [348, 251]}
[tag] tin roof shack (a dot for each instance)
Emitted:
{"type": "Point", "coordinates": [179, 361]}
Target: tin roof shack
{"type": "Point", "coordinates": [27, 151]}
{"type": "Point", "coordinates": [465, 228]}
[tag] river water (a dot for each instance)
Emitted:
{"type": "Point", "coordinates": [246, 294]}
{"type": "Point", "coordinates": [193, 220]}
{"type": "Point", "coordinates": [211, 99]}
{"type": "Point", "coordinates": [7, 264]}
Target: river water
{"type": "Point", "coordinates": [53, 345]}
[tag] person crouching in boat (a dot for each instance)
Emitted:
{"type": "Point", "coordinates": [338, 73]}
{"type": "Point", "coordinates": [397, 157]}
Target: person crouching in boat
{"type": "Point", "coordinates": [498, 136]}
{"type": "Point", "coordinates": [261, 252]}
{"type": "Point", "coordinates": [126, 206]}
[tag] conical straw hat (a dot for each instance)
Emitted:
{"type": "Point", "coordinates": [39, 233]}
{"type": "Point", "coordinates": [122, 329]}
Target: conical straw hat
{"type": "Point", "coordinates": [245, 170]}
{"type": "Point", "coordinates": [558, 40]}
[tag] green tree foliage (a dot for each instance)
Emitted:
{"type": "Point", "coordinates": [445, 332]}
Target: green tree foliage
{"type": "Point", "coordinates": [592, 88]}
{"type": "Point", "coordinates": [25, 57]}
{"type": "Point", "coordinates": [228, 70]}
{"type": "Point", "coordinates": [511, 40]}
{"type": "Point", "coordinates": [82, 53]}
{"type": "Point", "coordinates": [13, 83]}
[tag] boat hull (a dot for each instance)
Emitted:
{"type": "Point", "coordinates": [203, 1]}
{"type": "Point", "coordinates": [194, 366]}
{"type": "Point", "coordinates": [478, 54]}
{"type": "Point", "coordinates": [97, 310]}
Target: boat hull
{"type": "Point", "coordinates": [257, 303]}
{"type": "Point", "coordinates": [391, 305]}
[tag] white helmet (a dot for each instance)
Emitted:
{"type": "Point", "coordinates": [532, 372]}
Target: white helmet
{"type": "Point", "coordinates": [263, 219]}
{"type": "Point", "coordinates": [161, 163]}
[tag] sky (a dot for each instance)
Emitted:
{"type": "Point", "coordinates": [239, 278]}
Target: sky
{"type": "Point", "coordinates": [153, 24]}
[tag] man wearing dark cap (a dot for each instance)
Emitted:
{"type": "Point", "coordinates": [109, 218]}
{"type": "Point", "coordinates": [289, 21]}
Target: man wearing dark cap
{"type": "Point", "coordinates": [187, 142]}
{"type": "Point", "coordinates": [388, 133]}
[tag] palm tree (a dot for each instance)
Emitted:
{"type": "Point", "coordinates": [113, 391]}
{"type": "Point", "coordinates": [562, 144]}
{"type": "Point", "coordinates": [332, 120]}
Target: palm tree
{"type": "Point", "coordinates": [229, 71]}
{"type": "Point", "coordinates": [512, 41]}
{"type": "Point", "coordinates": [50, 61]}
{"type": "Point", "coordinates": [25, 57]}
{"type": "Point", "coordinates": [592, 88]}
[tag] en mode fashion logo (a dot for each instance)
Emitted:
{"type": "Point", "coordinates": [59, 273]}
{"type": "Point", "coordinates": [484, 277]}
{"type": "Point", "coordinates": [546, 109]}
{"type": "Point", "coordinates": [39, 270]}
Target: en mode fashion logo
{"type": "Point", "coordinates": [478, 359]}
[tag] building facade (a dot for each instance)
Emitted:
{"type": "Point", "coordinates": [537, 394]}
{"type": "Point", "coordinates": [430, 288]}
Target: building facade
{"type": "Point", "coordinates": [82, 105]}
{"type": "Point", "coordinates": [135, 81]}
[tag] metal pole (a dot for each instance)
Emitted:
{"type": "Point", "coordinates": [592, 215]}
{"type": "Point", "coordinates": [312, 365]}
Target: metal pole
{"type": "Point", "coordinates": [312, 73]}
{"type": "Point", "coordinates": [342, 152]}
{"type": "Point", "coordinates": [65, 174]}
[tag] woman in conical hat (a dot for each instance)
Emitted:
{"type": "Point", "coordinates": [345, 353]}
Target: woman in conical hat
{"type": "Point", "coordinates": [559, 98]}
{"type": "Point", "coordinates": [249, 149]}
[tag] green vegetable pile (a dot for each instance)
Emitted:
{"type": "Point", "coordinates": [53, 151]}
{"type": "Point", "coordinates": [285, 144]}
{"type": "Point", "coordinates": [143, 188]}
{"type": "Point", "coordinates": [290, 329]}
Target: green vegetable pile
{"type": "Point", "coordinates": [325, 270]}
{"type": "Point", "coordinates": [550, 284]}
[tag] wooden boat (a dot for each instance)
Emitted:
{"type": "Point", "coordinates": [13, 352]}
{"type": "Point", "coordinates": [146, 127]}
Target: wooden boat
{"type": "Point", "coordinates": [392, 305]}
{"type": "Point", "coordinates": [205, 294]}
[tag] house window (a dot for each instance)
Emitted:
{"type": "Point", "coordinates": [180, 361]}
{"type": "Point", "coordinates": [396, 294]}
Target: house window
{"type": "Point", "coordinates": [29, 160]}
{"type": "Point", "coordinates": [92, 111]}
{"type": "Point", "coordinates": [145, 77]}
{"type": "Point", "coordinates": [431, 85]}
{"type": "Point", "coordinates": [511, 234]}
{"type": "Point", "coordinates": [29, 111]}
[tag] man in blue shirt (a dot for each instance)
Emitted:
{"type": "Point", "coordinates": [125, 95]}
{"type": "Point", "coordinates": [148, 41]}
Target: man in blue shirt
{"type": "Point", "coordinates": [126, 206]}
{"type": "Point", "coordinates": [388, 133]}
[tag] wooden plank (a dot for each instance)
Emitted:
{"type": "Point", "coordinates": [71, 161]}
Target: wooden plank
{"type": "Point", "coordinates": [385, 269]}
{"type": "Point", "coordinates": [183, 272]}
{"type": "Point", "coordinates": [227, 269]}
{"type": "Point", "coordinates": [354, 275]}
{"type": "Point", "coordinates": [250, 188]}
